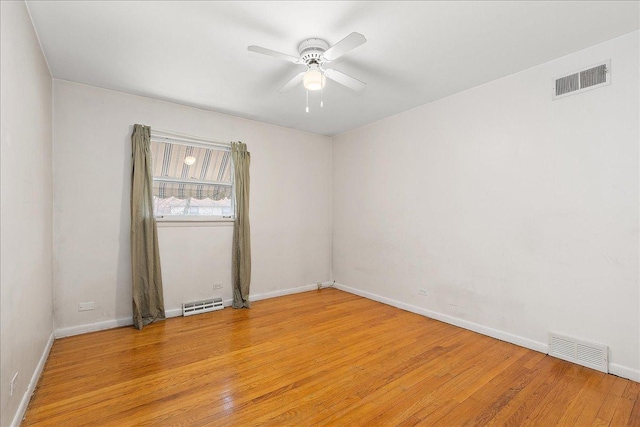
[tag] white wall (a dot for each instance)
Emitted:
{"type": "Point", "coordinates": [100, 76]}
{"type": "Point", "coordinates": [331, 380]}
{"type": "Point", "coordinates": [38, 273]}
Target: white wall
{"type": "Point", "coordinates": [517, 213]}
{"type": "Point", "coordinates": [290, 207]}
{"type": "Point", "coordinates": [26, 209]}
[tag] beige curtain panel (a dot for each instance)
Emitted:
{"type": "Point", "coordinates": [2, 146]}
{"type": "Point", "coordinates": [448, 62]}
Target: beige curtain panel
{"type": "Point", "coordinates": [148, 301]}
{"type": "Point", "coordinates": [241, 258]}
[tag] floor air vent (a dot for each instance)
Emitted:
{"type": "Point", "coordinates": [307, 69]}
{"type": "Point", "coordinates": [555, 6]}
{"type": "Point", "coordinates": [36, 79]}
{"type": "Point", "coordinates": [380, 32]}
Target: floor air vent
{"type": "Point", "coordinates": [583, 353]}
{"type": "Point", "coordinates": [204, 306]}
{"type": "Point", "coordinates": [580, 81]}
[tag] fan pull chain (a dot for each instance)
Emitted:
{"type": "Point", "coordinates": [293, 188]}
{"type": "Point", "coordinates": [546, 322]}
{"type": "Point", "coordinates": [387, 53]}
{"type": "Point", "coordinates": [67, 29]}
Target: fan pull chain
{"type": "Point", "coordinates": [307, 100]}
{"type": "Point", "coordinates": [322, 96]}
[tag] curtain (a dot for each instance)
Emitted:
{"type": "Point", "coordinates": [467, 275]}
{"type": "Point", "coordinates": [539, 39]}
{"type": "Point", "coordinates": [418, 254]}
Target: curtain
{"type": "Point", "coordinates": [241, 258]}
{"type": "Point", "coordinates": [148, 301]}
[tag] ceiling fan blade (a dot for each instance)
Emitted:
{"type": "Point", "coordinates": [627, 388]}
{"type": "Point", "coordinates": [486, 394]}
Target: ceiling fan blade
{"type": "Point", "coordinates": [291, 83]}
{"type": "Point", "coordinates": [269, 52]}
{"type": "Point", "coordinates": [345, 80]}
{"type": "Point", "coordinates": [352, 41]}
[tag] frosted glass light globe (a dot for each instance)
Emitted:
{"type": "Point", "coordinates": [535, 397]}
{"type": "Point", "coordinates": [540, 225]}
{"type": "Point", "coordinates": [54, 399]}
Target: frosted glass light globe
{"type": "Point", "coordinates": [313, 79]}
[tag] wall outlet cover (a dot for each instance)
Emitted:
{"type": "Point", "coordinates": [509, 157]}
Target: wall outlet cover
{"type": "Point", "coordinates": [86, 306]}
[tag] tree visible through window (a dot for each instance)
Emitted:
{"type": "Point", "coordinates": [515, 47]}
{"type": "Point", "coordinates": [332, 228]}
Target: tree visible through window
{"type": "Point", "coordinates": [191, 178]}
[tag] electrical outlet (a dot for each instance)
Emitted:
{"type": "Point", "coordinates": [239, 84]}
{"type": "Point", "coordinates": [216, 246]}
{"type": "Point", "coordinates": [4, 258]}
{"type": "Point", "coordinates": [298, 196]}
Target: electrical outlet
{"type": "Point", "coordinates": [86, 306]}
{"type": "Point", "coordinates": [217, 286]}
{"type": "Point", "coordinates": [423, 291]}
{"type": "Point", "coordinates": [14, 384]}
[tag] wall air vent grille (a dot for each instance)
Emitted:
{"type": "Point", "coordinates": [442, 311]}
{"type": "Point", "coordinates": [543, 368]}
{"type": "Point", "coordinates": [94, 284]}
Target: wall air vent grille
{"type": "Point", "coordinates": [593, 76]}
{"type": "Point", "coordinates": [580, 81]}
{"type": "Point", "coordinates": [567, 84]}
{"type": "Point", "coordinates": [595, 356]}
{"type": "Point", "coordinates": [205, 306]}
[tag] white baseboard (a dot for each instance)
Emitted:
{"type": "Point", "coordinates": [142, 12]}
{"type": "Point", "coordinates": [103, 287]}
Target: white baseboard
{"type": "Point", "coordinates": [92, 327]}
{"type": "Point", "coordinates": [24, 403]}
{"type": "Point", "coordinates": [282, 292]}
{"type": "Point", "coordinates": [615, 369]}
{"type": "Point", "coordinates": [624, 372]}
{"type": "Point", "coordinates": [475, 327]}
{"type": "Point", "coordinates": [172, 312]}
{"type": "Point", "coordinates": [110, 324]}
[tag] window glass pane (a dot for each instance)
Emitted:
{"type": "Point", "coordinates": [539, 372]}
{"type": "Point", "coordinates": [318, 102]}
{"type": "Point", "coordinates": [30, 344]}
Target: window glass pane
{"type": "Point", "coordinates": [209, 164]}
{"type": "Point", "coordinates": [191, 206]}
{"type": "Point", "coordinates": [191, 180]}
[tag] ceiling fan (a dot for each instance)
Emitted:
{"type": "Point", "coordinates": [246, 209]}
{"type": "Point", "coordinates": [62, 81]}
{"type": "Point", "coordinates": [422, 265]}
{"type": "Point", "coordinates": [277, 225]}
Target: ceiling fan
{"type": "Point", "coordinates": [315, 54]}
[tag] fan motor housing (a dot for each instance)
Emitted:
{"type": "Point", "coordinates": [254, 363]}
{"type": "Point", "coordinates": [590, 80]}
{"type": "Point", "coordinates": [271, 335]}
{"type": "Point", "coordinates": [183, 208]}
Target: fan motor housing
{"type": "Point", "coordinates": [311, 50]}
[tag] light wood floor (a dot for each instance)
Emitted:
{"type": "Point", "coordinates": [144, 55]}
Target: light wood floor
{"type": "Point", "coordinates": [313, 359]}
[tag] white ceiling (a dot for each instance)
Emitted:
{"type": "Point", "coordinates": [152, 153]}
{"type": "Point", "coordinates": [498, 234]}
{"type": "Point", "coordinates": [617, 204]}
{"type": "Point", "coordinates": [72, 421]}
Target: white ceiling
{"type": "Point", "coordinates": [195, 53]}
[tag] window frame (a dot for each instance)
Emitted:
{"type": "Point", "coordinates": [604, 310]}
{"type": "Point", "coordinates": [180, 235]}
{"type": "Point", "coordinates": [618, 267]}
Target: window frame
{"type": "Point", "coordinates": [187, 140]}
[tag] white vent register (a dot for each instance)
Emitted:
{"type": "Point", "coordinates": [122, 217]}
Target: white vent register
{"type": "Point", "coordinates": [595, 356]}
{"type": "Point", "coordinates": [204, 306]}
{"type": "Point", "coordinates": [588, 78]}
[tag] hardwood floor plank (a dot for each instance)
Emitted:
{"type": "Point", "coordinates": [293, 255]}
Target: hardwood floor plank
{"type": "Point", "coordinates": [608, 408]}
{"type": "Point", "coordinates": [361, 376]}
{"type": "Point", "coordinates": [504, 389]}
{"type": "Point", "coordinates": [517, 408]}
{"type": "Point", "coordinates": [622, 413]}
{"type": "Point", "coordinates": [592, 402]}
{"type": "Point", "coordinates": [634, 418]}
{"type": "Point", "coordinates": [318, 358]}
{"type": "Point", "coordinates": [554, 404]}
{"type": "Point", "coordinates": [575, 408]}
{"type": "Point", "coordinates": [443, 365]}
{"type": "Point", "coordinates": [619, 386]}
{"type": "Point", "coordinates": [632, 391]}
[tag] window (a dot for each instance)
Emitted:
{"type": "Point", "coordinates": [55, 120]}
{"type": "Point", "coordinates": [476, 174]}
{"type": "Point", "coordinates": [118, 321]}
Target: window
{"type": "Point", "coordinates": [192, 178]}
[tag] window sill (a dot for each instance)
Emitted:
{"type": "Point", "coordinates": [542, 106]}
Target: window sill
{"type": "Point", "coordinates": [177, 221]}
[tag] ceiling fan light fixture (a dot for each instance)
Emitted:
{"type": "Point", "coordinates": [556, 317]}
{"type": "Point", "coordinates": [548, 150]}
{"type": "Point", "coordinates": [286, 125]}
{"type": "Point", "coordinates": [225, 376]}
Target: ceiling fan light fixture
{"type": "Point", "coordinates": [316, 53]}
{"type": "Point", "coordinates": [314, 79]}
